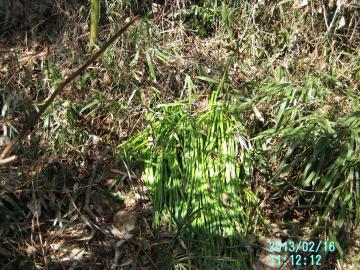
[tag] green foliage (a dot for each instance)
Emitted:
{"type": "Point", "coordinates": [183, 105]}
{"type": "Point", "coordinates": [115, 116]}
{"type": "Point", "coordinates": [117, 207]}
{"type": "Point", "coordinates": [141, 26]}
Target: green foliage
{"type": "Point", "coordinates": [202, 20]}
{"type": "Point", "coordinates": [11, 213]}
{"type": "Point", "coordinates": [316, 153]}
{"type": "Point", "coordinates": [198, 168]}
{"type": "Point", "coordinates": [205, 17]}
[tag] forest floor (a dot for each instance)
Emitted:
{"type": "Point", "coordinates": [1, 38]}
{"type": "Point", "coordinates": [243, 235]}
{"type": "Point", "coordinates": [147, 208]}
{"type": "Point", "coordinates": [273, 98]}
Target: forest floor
{"type": "Point", "coordinates": [78, 195]}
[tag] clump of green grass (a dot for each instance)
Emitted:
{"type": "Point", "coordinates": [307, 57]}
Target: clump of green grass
{"type": "Point", "coordinates": [205, 17]}
{"type": "Point", "coordinates": [198, 169]}
{"type": "Point", "coordinates": [315, 151]}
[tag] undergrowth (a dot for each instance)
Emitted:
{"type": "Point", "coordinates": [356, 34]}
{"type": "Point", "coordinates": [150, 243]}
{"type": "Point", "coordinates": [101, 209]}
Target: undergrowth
{"type": "Point", "coordinates": [238, 115]}
{"type": "Point", "coordinates": [198, 169]}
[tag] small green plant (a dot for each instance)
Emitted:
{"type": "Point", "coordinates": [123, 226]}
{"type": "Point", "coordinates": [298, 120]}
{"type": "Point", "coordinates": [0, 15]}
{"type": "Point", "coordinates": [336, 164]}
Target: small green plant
{"type": "Point", "coordinates": [202, 19]}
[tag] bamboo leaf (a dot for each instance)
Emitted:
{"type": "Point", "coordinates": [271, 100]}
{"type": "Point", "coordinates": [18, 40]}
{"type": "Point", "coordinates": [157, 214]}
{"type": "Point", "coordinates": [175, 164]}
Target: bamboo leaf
{"type": "Point", "coordinates": [150, 65]}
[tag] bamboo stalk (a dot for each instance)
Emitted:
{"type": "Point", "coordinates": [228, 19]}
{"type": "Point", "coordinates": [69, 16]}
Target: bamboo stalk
{"type": "Point", "coordinates": [94, 24]}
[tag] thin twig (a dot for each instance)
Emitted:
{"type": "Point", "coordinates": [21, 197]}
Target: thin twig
{"type": "Point", "coordinates": [116, 256]}
{"type": "Point", "coordinates": [8, 160]}
{"type": "Point", "coordinates": [325, 16]}
{"type": "Point", "coordinates": [332, 24]}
